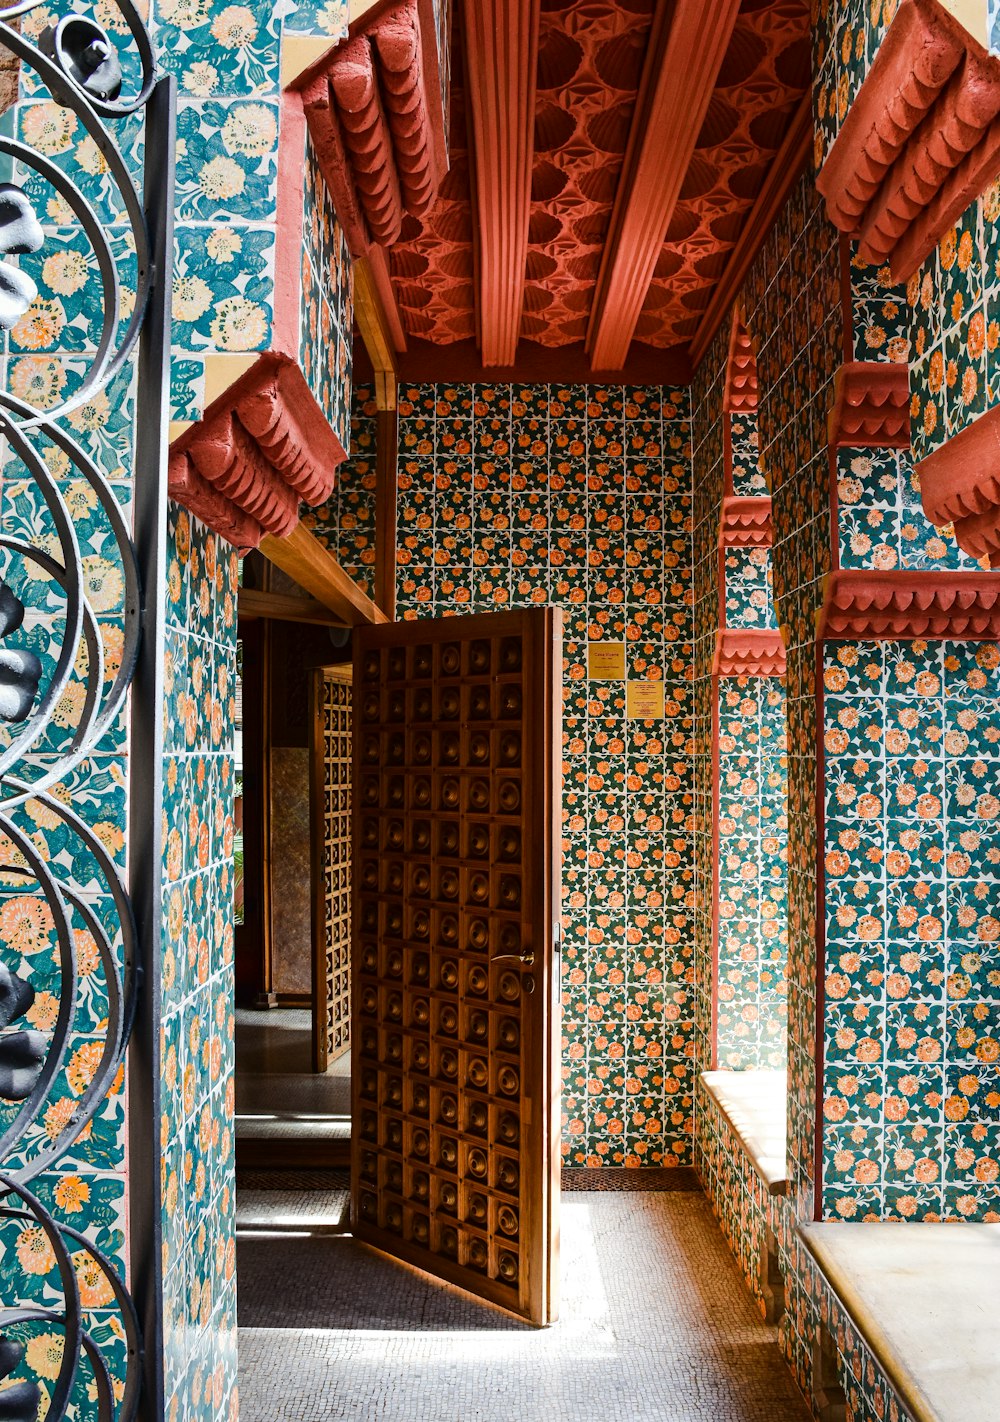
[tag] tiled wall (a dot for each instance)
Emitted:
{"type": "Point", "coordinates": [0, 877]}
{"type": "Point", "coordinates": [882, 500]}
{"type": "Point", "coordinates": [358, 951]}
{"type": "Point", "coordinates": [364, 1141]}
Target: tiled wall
{"type": "Point", "coordinates": [912, 783]}
{"type": "Point", "coordinates": [846, 38]}
{"type": "Point", "coordinates": [197, 1025]}
{"type": "Point", "coordinates": [740, 762]}
{"type": "Point", "coordinates": [326, 318]}
{"type": "Point", "coordinates": [880, 520]}
{"type": "Point", "coordinates": [581, 497]}
{"type": "Point", "coordinates": [709, 464]}
{"type": "Point", "coordinates": [748, 1216]}
{"type": "Point", "coordinates": [227, 62]}
{"type": "Point", "coordinates": [792, 308]}
{"type": "Point", "coordinates": [88, 1189]}
{"type": "Point", "coordinates": [955, 327]}
{"type": "Point", "coordinates": [346, 522]}
{"type": "Point", "coordinates": [752, 894]}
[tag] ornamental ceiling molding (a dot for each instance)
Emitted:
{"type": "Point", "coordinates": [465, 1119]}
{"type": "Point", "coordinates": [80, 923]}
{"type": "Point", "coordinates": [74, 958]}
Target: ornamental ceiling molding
{"type": "Point", "coordinates": [595, 65]}
{"type": "Point", "coordinates": [374, 112]}
{"type": "Point", "coordinates": [920, 140]}
{"type": "Point", "coordinates": [904, 606]}
{"type": "Point", "coordinates": [754, 653]}
{"type": "Point", "coordinates": [871, 405]}
{"type": "Point", "coordinates": [960, 485]}
{"type": "Point", "coordinates": [687, 45]}
{"type": "Point", "coordinates": [260, 450]}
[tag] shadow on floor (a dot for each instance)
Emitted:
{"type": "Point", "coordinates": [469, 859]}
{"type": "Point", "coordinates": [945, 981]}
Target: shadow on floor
{"type": "Point", "coordinates": [330, 1281]}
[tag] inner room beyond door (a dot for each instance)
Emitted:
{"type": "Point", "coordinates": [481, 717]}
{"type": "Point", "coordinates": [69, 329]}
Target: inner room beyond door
{"type": "Point", "coordinates": [456, 986]}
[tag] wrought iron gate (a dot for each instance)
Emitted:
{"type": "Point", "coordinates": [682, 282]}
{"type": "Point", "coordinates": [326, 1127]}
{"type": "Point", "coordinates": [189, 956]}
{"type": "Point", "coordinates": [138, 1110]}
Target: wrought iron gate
{"type": "Point", "coordinates": [62, 700]}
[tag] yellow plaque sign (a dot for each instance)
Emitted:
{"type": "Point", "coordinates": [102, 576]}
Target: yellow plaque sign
{"type": "Point", "coordinates": [606, 661]}
{"type": "Point", "coordinates": [644, 700]}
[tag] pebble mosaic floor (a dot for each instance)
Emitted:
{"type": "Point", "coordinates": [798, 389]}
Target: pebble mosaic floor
{"type": "Point", "coordinates": [656, 1324]}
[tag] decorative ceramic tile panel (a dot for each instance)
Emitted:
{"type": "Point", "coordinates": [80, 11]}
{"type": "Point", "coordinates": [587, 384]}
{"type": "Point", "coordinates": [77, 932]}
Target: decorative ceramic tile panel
{"type": "Point", "coordinates": [196, 1038]}
{"type": "Point", "coordinates": [846, 38]}
{"type": "Point", "coordinates": [581, 497]}
{"type": "Point", "coordinates": [752, 887]}
{"type": "Point", "coordinates": [792, 304]}
{"type": "Point", "coordinates": [227, 58]}
{"type": "Point", "coordinates": [326, 337]}
{"type": "Point", "coordinates": [880, 520]}
{"type": "Point", "coordinates": [708, 425]}
{"type": "Point", "coordinates": [912, 775]}
{"type": "Point", "coordinates": [346, 522]}
{"type": "Point", "coordinates": [749, 592]}
{"type": "Point", "coordinates": [751, 1219]}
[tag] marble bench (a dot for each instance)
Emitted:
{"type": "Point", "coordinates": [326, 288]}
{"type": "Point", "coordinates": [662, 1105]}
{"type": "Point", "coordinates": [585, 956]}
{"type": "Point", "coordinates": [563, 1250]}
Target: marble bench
{"type": "Point", "coordinates": [925, 1299]}
{"type": "Point", "coordinates": [753, 1105]}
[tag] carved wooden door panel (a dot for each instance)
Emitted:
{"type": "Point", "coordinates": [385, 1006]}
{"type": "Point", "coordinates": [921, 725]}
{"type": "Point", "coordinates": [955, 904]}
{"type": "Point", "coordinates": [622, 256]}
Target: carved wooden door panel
{"type": "Point", "coordinates": [331, 831]}
{"type": "Point", "coordinates": [455, 1152]}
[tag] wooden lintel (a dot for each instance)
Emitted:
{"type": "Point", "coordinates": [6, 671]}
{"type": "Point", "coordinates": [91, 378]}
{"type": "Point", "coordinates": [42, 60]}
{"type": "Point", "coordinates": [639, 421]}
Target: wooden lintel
{"type": "Point", "coordinates": [386, 460]}
{"type": "Point", "coordinates": [377, 326]}
{"type": "Point", "coordinates": [303, 557]}
{"type": "Point", "coordinates": [688, 43]}
{"type": "Point", "coordinates": [254, 604]}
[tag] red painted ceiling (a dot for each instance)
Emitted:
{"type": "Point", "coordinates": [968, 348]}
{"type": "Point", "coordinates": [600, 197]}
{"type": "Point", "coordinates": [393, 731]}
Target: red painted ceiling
{"type": "Point", "coordinates": [590, 62]}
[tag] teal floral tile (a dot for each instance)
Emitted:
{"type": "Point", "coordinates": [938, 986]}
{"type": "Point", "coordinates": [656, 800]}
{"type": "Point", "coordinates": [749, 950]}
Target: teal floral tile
{"type": "Point", "coordinates": [219, 50]}
{"type": "Point", "coordinates": [226, 161]}
{"type": "Point", "coordinates": [318, 17]}
{"type": "Point", "coordinates": [187, 387]}
{"type": "Point", "coordinates": [58, 135]}
{"type": "Point", "coordinates": [223, 292]}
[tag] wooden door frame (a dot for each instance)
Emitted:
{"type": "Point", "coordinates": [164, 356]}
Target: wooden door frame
{"type": "Point", "coordinates": [255, 932]}
{"type": "Point", "coordinates": [343, 672]}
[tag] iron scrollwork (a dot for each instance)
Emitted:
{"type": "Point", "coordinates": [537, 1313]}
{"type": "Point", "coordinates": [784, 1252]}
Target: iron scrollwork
{"type": "Point", "coordinates": [81, 66]}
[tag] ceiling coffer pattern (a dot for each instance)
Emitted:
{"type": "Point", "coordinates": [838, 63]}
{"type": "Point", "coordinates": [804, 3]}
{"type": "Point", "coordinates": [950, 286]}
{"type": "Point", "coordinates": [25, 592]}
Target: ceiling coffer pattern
{"type": "Point", "coordinates": [591, 55]}
{"type": "Point", "coordinates": [762, 79]}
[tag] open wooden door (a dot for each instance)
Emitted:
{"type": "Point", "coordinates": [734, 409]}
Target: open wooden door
{"type": "Point", "coordinates": [330, 761]}
{"type": "Point", "coordinates": [455, 1150]}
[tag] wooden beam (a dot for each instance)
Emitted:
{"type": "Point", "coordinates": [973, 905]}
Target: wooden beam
{"type": "Point", "coordinates": [304, 558]}
{"type": "Point", "coordinates": [501, 41]}
{"type": "Point", "coordinates": [386, 460]}
{"type": "Point", "coordinates": [381, 328]}
{"type": "Point", "coordinates": [688, 42]}
{"type": "Point", "coordinates": [254, 605]}
{"type": "Point", "coordinates": [782, 176]}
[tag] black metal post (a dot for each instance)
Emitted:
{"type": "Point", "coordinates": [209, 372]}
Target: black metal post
{"type": "Point", "coordinates": [146, 747]}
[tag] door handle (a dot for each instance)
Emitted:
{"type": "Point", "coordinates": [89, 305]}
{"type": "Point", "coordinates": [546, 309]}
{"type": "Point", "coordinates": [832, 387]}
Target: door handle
{"type": "Point", "coordinates": [527, 958]}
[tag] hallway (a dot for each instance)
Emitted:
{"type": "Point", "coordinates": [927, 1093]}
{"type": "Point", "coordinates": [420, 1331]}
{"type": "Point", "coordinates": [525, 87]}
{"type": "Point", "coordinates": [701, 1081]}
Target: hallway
{"type": "Point", "coordinates": [656, 1324]}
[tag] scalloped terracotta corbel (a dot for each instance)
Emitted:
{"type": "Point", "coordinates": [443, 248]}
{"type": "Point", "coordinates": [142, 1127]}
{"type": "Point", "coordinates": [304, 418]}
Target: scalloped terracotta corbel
{"type": "Point", "coordinates": [902, 605]}
{"type": "Point", "coordinates": [960, 484]}
{"type": "Point", "coordinates": [871, 405]}
{"type": "Point", "coordinates": [259, 451]}
{"type": "Point", "coordinates": [753, 653]}
{"type": "Point", "coordinates": [375, 119]}
{"type": "Point", "coordinates": [920, 141]}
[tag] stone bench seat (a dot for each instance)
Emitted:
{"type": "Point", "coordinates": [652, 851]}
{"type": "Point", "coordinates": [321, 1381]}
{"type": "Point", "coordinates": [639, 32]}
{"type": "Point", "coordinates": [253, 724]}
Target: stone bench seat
{"type": "Point", "coordinates": [925, 1298]}
{"type": "Point", "coordinates": [755, 1105]}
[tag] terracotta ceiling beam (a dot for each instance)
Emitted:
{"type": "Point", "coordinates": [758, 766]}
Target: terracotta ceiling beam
{"type": "Point", "coordinates": [501, 40]}
{"type": "Point", "coordinates": [688, 42]}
